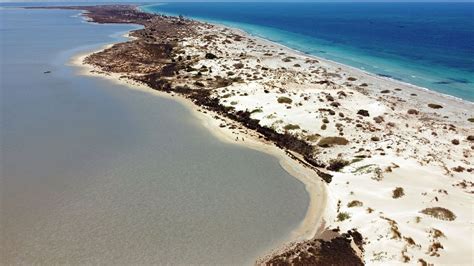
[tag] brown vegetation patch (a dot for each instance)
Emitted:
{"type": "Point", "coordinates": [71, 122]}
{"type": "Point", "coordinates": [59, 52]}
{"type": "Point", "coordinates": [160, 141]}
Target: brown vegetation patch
{"type": "Point", "coordinates": [363, 112]}
{"type": "Point", "coordinates": [337, 252]}
{"type": "Point", "coordinates": [284, 99]}
{"type": "Point", "coordinates": [435, 233]}
{"type": "Point", "coordinates": [210, 56]}
{"type": "Point", "coordinates": [440, 213]}
{"type": "Point", "coordinates": [355, 203]}
{"type": "Point", "coordinates": [330, 141]}
{"type": "Point", "coordinates": [342, 216]}
{"type": "Point", "coordinates": [291, 127]}
{"type": "Point", "coordinates": [398, 193]}
{"type": "Point", "coordinates": [435, 106]}
{"type": "Point", "coordinates": [413, 112]}
{"type": "Point", "coordinates": [337, 164]}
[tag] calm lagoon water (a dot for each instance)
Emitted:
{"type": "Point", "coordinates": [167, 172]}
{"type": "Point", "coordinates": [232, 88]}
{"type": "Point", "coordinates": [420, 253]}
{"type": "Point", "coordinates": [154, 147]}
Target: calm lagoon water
{"type": "Point", "coordinates": [426, 44]}
{"type": "Point", "coordinates": [93, 172]}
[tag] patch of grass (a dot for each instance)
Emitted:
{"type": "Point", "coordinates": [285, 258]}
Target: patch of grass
{"type": "Point", "coordinates": [436, 233]}
{"type": "Point", "coordinates": [343, 216]}
{"type": "Point", "coordinates": [258, 110]}
{"type": "Point", "coordinates": [413, 112]}
{"type": "Point", "coordinates": [435, 106]}
{"type": "Point", "coordinates": [329, 141]}
{"type": "Point", "coordinates": [410, 241]}
{"type": "Point", "coordinates": [291, 127]}
{"type": "Point", "coordinates": [398, 193]}
{"type": "Point", "coordinates": [433, 249]}
{"type": "Point", "coordinates": [471, 119]}
{"type": "Point", "coordinates": [363, 168]}
{"type": "Point", "coordinates": [284, 99]}
{"type": "Point", "coordinates": [238, 65]}
{"type": "Point", "coordinates": [337, 164]}
{"type": "Point", "coordinates": [440, 213]}
{"type": "Point", "coordinates": [355, 160]}
{"type": "Point", "coordinates": [313, 137]}
{"type": "Point", "coordinates": [233, 103]}
{"type": "Point", "coordinates": [355, 203]}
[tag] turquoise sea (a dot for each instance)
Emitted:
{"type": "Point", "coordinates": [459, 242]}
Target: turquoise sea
{"type": "Point", "coordinates": [426, 44]}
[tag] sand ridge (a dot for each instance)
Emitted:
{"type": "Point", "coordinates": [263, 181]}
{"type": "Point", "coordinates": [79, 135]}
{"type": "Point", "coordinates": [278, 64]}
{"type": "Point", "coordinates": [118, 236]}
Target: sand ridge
{"type": "Point", "coordinates": [400, 157]}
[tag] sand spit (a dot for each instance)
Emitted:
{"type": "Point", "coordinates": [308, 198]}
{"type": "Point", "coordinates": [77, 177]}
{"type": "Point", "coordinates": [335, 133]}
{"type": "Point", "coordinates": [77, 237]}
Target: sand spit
{"type": "Point", "coordinates": [396, 159]}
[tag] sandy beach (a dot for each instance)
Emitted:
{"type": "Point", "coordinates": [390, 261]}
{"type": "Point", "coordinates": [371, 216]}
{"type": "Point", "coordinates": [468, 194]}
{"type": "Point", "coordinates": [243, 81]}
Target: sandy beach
{"type": "Point", "coordinates": [315, 187]}
{"type": "Point", "coordinates": [399, 156]}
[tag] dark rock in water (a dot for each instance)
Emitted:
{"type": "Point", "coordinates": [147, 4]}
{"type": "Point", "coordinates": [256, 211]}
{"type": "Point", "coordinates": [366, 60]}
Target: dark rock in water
{"type": "Point", "coordinates": [442, 82]}
{"type": "Point", "coordinates": [210, 56]}
{"type": "Point", "coordinates": [363, 112]}
{"type": "Point", "coordinates": [457, 80]}
{"type": "Point", "coordinates": [47, 72]}
{"type": "Point", "coordinates": [384, 75]}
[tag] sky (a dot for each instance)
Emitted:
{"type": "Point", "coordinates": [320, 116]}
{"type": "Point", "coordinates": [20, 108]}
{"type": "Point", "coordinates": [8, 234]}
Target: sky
{"type": "Point", "coordinates": [85, 1]}
{"type": "Point", "coordinates": [157, 1]}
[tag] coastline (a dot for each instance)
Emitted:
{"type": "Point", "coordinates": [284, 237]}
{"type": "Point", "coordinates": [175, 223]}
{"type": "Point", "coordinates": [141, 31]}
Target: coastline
{"type": "Point", "coordinates": [346, 67]}
{"type": "Point", "coordinates": [329, 61]}
{"type": "Point", "coordinates": [394, 223]}
{"type": "Point", "coordinates": [310, 226]}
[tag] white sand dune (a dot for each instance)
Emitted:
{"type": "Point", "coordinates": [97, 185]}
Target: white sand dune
{"type": "Point", "coordinates": [402, 158]}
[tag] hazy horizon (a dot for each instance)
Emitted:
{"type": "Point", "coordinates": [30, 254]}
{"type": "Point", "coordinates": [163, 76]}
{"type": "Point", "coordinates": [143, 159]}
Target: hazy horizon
{"type": "Point", "coordinates": [326, 1]}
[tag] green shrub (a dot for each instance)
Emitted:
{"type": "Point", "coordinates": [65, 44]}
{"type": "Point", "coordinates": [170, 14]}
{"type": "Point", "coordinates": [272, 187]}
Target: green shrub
{"type": "Point", "coordinates": [343, 216]}
{"type": "Point", "coordinates": [291, 127]}
{"type": "Point", "coordinates": [258, 110]}
{"type": "Point", "coordinates": [285, 100]}
{"type": "Point", "coordinates": [435, 106]}
{"type": "Point", "coordinates": [329, 141]}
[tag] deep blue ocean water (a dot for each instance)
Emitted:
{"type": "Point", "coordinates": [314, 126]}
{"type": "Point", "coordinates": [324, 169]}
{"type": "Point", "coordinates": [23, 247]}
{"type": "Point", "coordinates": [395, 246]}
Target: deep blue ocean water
{"type": "Point", "coordinates": [427, 44]}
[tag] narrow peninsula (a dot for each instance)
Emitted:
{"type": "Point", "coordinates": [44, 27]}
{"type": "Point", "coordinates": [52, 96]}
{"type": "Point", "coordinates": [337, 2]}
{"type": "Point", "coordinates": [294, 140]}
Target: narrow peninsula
{"type": "Point", "coordinates": [395, 160]}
